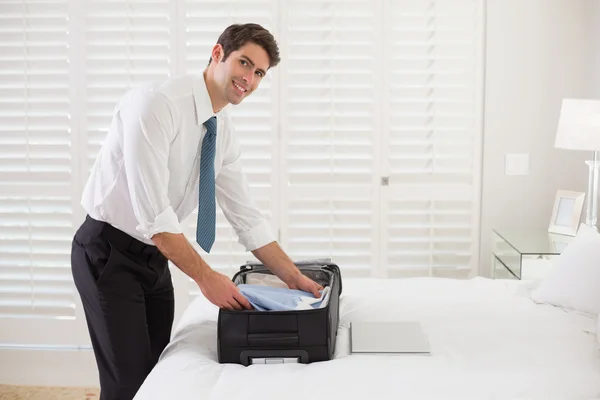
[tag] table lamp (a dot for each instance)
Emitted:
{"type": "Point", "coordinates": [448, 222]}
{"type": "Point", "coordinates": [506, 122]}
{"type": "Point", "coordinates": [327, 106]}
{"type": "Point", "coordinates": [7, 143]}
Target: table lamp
{"type": "Point", "coordinates": [579, 129]}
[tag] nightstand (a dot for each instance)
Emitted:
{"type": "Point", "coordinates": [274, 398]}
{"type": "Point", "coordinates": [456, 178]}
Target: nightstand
{"type": "Point", "coordinates": [516, 254]}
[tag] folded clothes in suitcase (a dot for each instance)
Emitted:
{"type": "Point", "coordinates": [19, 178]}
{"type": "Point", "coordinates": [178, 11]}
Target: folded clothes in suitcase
{"type": "Point", "coordinates": [267, 298]}
{"type": "Point", "coordinates": [264, 337]}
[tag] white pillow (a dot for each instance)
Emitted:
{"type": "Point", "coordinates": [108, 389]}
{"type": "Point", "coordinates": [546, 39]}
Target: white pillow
{"type": "Point", "coordinates": [573, 281]}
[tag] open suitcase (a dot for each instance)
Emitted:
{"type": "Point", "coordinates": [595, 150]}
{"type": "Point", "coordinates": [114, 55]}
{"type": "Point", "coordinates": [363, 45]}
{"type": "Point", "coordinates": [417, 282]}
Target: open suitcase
{"type": "Point", "coordinates": [264, 337]}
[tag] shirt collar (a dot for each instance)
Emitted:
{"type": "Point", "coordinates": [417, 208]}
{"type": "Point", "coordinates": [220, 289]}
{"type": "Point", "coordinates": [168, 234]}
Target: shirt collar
{"type": "Point", "coordinates": [202, 101]}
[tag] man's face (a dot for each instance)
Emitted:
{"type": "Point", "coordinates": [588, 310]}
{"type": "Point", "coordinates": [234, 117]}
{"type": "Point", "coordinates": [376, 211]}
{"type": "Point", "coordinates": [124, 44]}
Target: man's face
{"type": "Point", "coordinates": [241, 73]}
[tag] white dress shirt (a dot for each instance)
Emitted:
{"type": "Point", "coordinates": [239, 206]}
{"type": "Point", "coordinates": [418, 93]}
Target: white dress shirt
{"type": "Point", "coordinates": [145, 178]}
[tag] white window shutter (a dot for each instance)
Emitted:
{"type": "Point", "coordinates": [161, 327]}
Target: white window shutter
{"type": "Point", "coordinates": [255, 120]}
{"type": "Point", "coordinates": [35, 174]}
{"type": "Point", "coordinates": [365, 92]}
{"type": "Point", "coordinates": [127, 44]}
{"type": "Point", "coordinates": [434, 60]}
{"type": "Point", "coordinates": [119, 45]}
{"type": "Point", "coordinates": [329, 122]}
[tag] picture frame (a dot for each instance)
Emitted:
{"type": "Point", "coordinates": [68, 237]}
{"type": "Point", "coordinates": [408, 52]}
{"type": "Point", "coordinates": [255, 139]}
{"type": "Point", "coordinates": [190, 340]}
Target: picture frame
{"type": "Point", "coordinates": [566, 213]}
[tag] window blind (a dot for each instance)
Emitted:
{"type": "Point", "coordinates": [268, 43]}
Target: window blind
{"type": "Point", "coordinates": [432, 136]}
{"type": "Point", "coordinates": [36, 167]}
{"type": "Point", "coordinates": [363, 145]}
{"type": "Point", "coordinates": [127, 43]}
{"type": "Point", "coordinates": [329, 125]}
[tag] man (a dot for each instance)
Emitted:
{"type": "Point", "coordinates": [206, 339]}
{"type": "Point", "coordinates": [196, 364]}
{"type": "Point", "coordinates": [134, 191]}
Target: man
{"type": "Point", "coordinates": [166, 144]}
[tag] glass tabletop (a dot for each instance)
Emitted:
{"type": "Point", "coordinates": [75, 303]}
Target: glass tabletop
{"type": "Point", "coordinates": [534, 241]}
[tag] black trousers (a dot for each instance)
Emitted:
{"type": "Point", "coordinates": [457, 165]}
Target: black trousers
{"type": "Point", "coordinates": [127, 294]}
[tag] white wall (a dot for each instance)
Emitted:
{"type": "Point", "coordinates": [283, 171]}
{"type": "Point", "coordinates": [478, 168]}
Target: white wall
{"type": "Point", "coordinates": [596, 48]}
{"type": "Point", "coordinates": [537, 52]}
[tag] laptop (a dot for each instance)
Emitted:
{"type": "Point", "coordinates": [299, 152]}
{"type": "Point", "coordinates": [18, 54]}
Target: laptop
{"type": "Point", "coordinates": [396, 337]}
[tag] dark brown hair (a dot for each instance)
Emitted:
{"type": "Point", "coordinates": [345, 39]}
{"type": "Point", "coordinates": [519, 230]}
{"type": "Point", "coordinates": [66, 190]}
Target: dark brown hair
{"type": "Point", "coordinates": [237, 35]}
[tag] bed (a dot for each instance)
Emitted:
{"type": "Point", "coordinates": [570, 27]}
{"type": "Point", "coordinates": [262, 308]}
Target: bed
{"type": "Point", "coordinates": [488, 340]}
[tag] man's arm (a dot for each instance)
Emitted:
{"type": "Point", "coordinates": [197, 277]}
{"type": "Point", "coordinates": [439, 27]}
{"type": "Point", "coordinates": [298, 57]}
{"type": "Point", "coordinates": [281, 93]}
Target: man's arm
{"type": "Point", "coordinates": [149, 128]}
{"type": "Point", "coordinates": [216, 287]}
{"type": "Point", "coordinates": [274, 258]}
{"type": "Point", "coordinates": [233, 195]}
{"type": "Point", "coordinates": [177, 249]}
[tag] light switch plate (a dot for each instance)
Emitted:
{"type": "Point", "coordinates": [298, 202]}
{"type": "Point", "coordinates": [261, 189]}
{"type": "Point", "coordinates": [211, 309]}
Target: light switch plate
{"type": "Point", "coordinates": [517, 164]}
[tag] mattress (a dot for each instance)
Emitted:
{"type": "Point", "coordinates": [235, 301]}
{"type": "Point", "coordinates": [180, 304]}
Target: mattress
{"type": "Point", "coordinates": [488, 341]}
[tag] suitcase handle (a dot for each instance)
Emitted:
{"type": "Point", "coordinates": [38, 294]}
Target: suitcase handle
{"type": "Point", "coordinates": [248, 357]}
{"type": "Point", "coordinates": [274, 360]}
{"type": "Point", "coordinates": [273, 339]}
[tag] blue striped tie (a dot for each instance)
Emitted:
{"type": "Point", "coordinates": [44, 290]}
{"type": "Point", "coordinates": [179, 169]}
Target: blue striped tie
{"type": "Point", "coordinates": [205, 228]}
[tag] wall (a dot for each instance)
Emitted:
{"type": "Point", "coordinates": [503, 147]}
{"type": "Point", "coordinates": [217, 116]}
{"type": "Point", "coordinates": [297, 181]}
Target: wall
{"type": "Point", "coordinates": [537, 53]}
{"type": "Point", "coordinates": [596, 48]}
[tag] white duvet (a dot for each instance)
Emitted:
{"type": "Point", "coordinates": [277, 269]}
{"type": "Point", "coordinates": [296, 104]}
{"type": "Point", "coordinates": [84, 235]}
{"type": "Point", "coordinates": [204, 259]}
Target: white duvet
{"type": "Point", "coordinates": [488, 341]}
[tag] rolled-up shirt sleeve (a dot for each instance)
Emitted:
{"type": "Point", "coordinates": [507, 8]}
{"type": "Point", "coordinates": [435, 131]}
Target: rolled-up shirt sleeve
{"type": "Point", "coordinates": [233, 196]}
{"type": "Point", "coordinates": [148, 125]}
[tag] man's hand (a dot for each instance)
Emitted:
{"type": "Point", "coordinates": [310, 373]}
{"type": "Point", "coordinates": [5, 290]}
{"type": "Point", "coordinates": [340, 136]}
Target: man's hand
{"type": "Point", "coordinates": [306, 284]}
{"type": "Point", "coordinates": [273, 257]}
{"type": "Point", "coordinates": [216, 287]}
{"type": "Point", "coordinates": [222, 292]}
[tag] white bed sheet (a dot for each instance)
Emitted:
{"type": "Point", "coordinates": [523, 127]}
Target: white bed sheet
{"type": "Point", "coordinates": [488, 341]}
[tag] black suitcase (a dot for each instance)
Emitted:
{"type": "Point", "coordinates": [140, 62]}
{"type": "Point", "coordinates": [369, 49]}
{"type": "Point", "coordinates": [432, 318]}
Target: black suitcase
{"type": "Point", "coordinates": [265, 337]}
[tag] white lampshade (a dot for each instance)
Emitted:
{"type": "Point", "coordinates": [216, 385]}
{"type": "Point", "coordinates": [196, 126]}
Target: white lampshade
{"type": "Point", "coordinates": [579, 125]}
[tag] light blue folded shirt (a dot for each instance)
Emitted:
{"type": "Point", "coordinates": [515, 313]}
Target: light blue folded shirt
{"type": "Point", "coordinates": [268, 298]}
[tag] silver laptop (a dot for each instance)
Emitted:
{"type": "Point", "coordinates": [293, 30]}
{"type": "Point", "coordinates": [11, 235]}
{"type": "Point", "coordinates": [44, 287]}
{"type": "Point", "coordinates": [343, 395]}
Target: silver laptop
{"type": "Point", "coordinates": [398, 337]}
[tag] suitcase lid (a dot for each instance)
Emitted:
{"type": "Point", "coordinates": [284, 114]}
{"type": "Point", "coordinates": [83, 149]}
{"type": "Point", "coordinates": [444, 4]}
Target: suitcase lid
{"type": "Point", "coordinates": [323, 263]}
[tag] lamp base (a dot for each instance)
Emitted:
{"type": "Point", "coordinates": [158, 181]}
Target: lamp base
{"type": "Point", "coordinates": [592, 192]}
